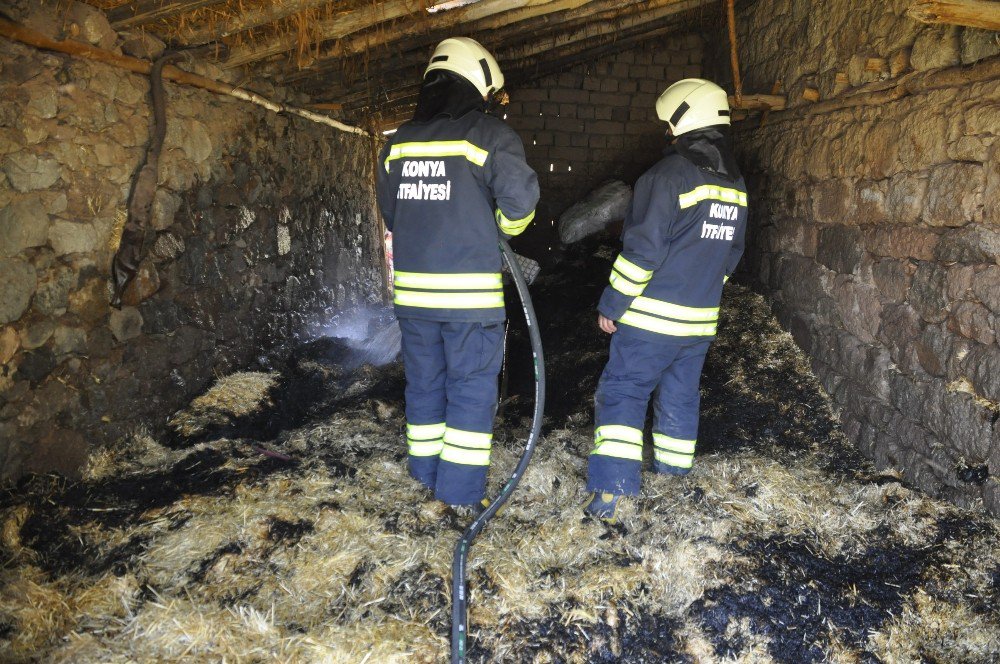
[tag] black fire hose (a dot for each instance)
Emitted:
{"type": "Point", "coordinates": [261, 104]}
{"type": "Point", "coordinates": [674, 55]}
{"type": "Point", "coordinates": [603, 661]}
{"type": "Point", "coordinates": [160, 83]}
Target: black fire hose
{"type": "Point", "coordinates": [460, 598]}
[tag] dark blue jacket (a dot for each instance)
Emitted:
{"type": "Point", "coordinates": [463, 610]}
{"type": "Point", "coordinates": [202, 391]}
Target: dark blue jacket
{"type": "Point", "coordinates": [683, 237]}
{"type": "Point", "coordinates": [447, 188]}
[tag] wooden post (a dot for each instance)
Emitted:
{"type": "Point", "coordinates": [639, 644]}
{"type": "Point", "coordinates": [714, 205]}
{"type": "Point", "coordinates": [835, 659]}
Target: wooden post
{"type": "Point", "coordinates": [734, 58]}
{"type": "Point", "coordinates": [970, 13]}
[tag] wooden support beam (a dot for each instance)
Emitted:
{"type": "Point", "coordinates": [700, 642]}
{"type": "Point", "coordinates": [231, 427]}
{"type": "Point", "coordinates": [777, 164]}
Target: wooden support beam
{"type": "Point", "coordinates": [758, 102]}
{"type": "Point", "coordinates": [19, 33]}
{"type": "Point", "coordinates": [148, 11]}
{"type": "Point", "coordinates": [970, 13]}
{"type": "Point", "coordinates": [734, 58]}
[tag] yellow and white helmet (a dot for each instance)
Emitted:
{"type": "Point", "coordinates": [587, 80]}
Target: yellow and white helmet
{"type": "Point", "coordinates": [467, 58]}
{"type": "Point", "coordinates": [693, 103]}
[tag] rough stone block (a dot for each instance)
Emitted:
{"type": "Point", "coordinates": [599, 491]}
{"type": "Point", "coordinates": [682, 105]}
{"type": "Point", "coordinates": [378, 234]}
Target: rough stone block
{"type": "Point", "coordinates": [833, 202]}
{"type": "Point", "coordinates": [125, 323]}
{"type": "Point", "coordinates": [28, 172]}
{"type": "Point", "coordinates": [976, 243]}
{"type": "Point", "coordinates": [35, 334]}
{"type": "Point", "coordinates": [52, 294]}
{"type": "Point", "coordinates": [859, 308]}
{"type": "Point", "coordinates": [68, 237]}
{"type": "Point", "coordinates": [986, 287]}
{"type": "Point", "coordinates": [901, 242]}
{"type": "Point", "coordinates": [934, 349]}
{"type": "Point", "coordinates": [905, 197]}
{"type": "Point", "coordinates": [954, 195]}
{"type": "Point", "coordinates": [893, 278]}
{"type": "Point", "coordinates": [936, 47]}
{"type": "Point", "coordinates": [23, 224]}
{"type": "Point", "coordinates": [17, 285]}
{"type": "Point", "coordinates": [142, 45]}
{"type": "Point", "coordinates": [977, 45]}
{"type": "Point", "coordinates": [840, 248]}
{"type": "Point", "coordinates": [973, 320]}
{"type": "Point", "coordinates": [89, 24]}
{"type": "Point", "coordinates": [928, 292]}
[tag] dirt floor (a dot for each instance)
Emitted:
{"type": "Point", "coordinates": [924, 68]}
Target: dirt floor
{"type": "Point", "coordinates": [277, 523]}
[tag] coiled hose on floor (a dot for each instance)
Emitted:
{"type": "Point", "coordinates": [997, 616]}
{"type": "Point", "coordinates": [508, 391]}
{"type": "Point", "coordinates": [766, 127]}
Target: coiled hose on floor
{"type": "Point", "coordinates": [459, 594]}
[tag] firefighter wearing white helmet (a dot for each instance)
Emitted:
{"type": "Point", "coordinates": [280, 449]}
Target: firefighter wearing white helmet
{"type": "Point", "coordinates": [451, 180]}
{"type": "Point", "coordinates": [693, 103]}
{"type": "Point", "coordinates": [682, 239]}
{"type": "Point", "coordinates": [467, 58]}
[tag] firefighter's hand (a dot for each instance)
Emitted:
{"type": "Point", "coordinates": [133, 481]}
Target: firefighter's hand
{"type": "Point", "coordinates": [606, 324]}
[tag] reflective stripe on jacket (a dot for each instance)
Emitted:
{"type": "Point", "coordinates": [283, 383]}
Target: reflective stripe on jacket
{"type": "Point", "coordinates": [683, 237]}
{"type": "Point", "coordinates": [446, 189]}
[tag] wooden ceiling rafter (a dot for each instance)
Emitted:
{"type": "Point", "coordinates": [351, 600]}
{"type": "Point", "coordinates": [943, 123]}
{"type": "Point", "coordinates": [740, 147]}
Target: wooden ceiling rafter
{"type": "Point", "coordinates": [565, 45]}
{"type": "Point", "coordinates": [416, 36]}
{"type": "Point", "coordinates": [141, 12]}
{"type": "Point", "coordinates": [585, 50]}
{"type": "Point", "coordinates": [249, 19]}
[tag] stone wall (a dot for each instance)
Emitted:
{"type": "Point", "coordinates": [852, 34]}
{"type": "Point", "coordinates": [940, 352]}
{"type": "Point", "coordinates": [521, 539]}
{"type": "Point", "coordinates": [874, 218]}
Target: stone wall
{"type": "Point", "coordinates": [263, 225]}
{"type": "Point", "coordinates": [596, 122]}
{"type": "Point", "coordinates": [876, 227]}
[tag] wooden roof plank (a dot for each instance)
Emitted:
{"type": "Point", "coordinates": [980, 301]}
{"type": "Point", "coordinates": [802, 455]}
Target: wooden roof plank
{"type": "Point", "coordinates": [148, 11]}
{"type": "Point", "coordinates": [970, 13]}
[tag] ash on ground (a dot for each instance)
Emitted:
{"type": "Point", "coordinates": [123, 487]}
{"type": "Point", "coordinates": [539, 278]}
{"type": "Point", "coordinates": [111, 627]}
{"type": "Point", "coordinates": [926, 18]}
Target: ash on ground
{"type": "Point", "coordinates": [279, 524]}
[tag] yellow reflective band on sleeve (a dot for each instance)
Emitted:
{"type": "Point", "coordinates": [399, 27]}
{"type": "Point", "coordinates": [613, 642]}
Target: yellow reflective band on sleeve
{"type": "Point", "coordinates": [473, 153]}
{"type": "Point", "coordinates": [725, 278]}
{"type": "Point", "coordinates": [712, 192]}
{"type": "Point", "coordinates": [470, 448]}
{"type": "Point", "coordinates": [623, 285]}
{"type": "Point", "coordinates": [613, 448]}
{"type": "Point", "coordinates": [619, 432]}
{"type": "Point", "coordinates": [471, 300]}
{"type": "Point", "coordinates": [677, 445]}
{"type": "Point", "coordinates": [631, 270]}
{"type": "Point", "coordinates": [448, 282]}
{"type": "Point", "coordinates": [668, 327]}
{"type": "Point", "coordinates": [673, 459]}
{"type": "Point", "coordinates": [513, 226]}
{"type": "Point", "coordinates": [670, 310]}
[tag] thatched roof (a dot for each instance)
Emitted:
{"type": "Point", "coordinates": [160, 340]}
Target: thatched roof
{"type": "Point", "coordinates": [367, 55]}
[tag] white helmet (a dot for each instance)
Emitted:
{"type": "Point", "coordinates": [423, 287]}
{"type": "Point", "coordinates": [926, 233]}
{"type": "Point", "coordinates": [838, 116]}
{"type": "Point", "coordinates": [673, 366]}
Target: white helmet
{"type": "Point", "coordinates": [693, 103]}
{"type": "Point", "coordinates": [467, 58]}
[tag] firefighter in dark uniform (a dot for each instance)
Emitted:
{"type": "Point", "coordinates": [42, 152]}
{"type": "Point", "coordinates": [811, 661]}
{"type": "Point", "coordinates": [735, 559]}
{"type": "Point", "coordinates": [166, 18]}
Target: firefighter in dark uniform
{"type": "Point", "coordinates": [451, 181]}
{"type": "Point", "coordinates": [683, 237]}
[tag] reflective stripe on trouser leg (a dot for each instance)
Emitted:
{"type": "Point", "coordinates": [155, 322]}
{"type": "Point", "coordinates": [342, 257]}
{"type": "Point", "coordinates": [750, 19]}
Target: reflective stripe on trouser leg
{"type": "Point", "coordinates": [675, 427]}
{"type": "Point", "coordinates": [474, 353]}
{"type": "Point", "coordinates": [620, 403]}
{"type": "Point", "coordinates": [424, 364]}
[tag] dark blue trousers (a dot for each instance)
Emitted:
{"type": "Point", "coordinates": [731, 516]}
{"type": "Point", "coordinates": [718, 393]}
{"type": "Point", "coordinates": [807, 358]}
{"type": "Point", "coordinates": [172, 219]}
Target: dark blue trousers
{"type": "Point", "coordinates": [666, 368]}
{"type": "Point", "coordinates": [451, 399]}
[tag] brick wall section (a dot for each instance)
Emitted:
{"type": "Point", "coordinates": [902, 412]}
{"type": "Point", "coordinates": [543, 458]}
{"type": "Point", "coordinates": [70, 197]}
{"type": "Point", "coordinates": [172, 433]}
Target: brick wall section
{"type": "Point", "coordinates": [262, 225]}
{"type": "Point", "coordinates": [597, 122]}
{"type": "Point", "coordinates": [876, 231]}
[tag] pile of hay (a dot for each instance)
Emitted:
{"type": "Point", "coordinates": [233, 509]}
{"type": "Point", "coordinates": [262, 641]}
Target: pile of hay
{"type": "Point", "coordinates": [782, 545]}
